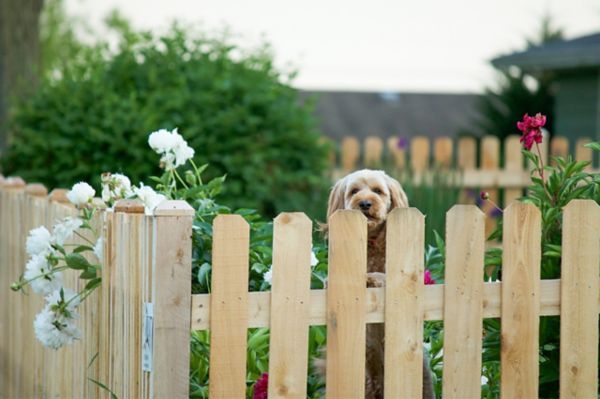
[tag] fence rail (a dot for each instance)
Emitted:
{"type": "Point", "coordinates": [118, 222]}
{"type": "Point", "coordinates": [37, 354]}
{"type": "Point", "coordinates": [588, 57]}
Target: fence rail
{"type": "Point", "coordinates": [148, 260]}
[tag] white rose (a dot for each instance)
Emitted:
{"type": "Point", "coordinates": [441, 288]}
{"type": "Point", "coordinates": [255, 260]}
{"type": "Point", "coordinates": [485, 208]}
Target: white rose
{"type": "Point", "coordinates": [149, 197]}
{"type": "Point", "coordinates": [99, 249]}
{"type": "Point", "coordinates": [38, 266]}
{"type": "Point", "coordinates": [81, 194]}
{"type": "Point", "coordinates": [64, 230]}
{"type": "Point", "coordinates": [268, 276]}
{"type": "Point", "coordinates": [55, 329]}
{"type": "Point", "coordinates": [38, 241]}
{"type": "Point", "coordinates": [161, 141]}
{"type": "Point", "coordinates": [182, 154]}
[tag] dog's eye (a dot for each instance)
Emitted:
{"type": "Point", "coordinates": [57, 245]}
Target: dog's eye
{"type": "Point", "coordinates": [354, 191]}
{"type": "Point", "coordinates": [377, 190]}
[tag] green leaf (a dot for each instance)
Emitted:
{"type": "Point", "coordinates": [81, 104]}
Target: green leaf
{"type": "Point", "coordinates": [88, 274]}
{"type": "Point", "coordinates": [93, 283]}
{"type": "Point", "coordinates": [595, 146]}
{"type": "Point", "coordinates": [82, 248]}
{"type": "Point", "coordinates": [101, 385]}
{"type": "Point", "coordinates": [77, 261]}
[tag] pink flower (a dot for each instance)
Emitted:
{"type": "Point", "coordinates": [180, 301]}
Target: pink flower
{"type": "Point", "coordinates": [428, 279]}
{"type": "Point", "coordinates": [484, 195]}
{"type": "Point", "coordinates": [261, 387]}
{"type": "Point", "coordinates": [531, 126]}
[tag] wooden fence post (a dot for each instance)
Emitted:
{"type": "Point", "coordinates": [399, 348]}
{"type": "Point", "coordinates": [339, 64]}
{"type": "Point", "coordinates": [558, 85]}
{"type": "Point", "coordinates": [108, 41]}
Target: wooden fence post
{"type": "Point", "coordinates": [229, 307]}
{"type": "Point", "coordinates": [290, 302]}
{"type": "Point", "coordinates": [463, 302]}
{"type": "Point", "coordinates": [346, 298]}
{"type": "Point", "coordinates": [171, 299]}
{"type": "Point", "coordinates": [579, 293]}
{"type": "Point", "coordinates": [513, 162]}
{"type": "Point", "coordinates": [520, 301]}
{"type": "Point", "coordinates": [403, 304]}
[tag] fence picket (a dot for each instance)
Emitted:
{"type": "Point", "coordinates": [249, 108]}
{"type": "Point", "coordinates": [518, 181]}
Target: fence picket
{"type": "Point", "coordinates": [466, 161]}
{"type": "Point", "coordinates": [442, 152]}
{"type": "Point", "coordinates": [397, 152]}
{"type": "Point", "coordinates": [373, 151]}
{"type": "Point", "coordinates": [229, 307]}
{"type": "Point", "coordinates": [171, 287]}
{"type": "Point", "coordinates": [583, 153]}
{"type": "Point", "coordinates": [513, 162]}
{"type": "Point", "coordinates": [346, 298]}
{"type": "Point", "coordinates": [350, 153]}
{"type": "Point", "coordinates": [463, 302]}
{"type": "Point", "coordinates": [403, 304]}
{"type": "Point", "coordinates": [419, 154]}
{"type": "Point", "coordinates": [559, 147]}
{"type": "Point", "coordinates": [520, 301]}
{"type": "Point", "coordinates": [580, 288]}
{"type": "Point", "coordinates": [490, 161]}
{"type": "Point", "coordinates": [290, 301]}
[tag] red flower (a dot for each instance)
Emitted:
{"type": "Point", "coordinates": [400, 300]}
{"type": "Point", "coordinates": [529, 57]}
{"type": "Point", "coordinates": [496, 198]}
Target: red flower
{"type": "Point", "coordinates": [261, 387]}
{"type": "Point", "coordinates": [531, 126]}
{"type": "Point", "coordinates": [428, 279]}
{"type": "Point", "coordinates": [484, 195]}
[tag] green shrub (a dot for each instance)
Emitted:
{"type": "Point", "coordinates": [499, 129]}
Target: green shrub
{"type": "Point", "coordinates": [234, 108]}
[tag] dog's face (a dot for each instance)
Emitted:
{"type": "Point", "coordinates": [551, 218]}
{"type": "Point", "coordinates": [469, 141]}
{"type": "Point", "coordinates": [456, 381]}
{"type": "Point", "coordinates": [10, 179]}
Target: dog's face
{"type": "Point", "coordinates": [372, 192]}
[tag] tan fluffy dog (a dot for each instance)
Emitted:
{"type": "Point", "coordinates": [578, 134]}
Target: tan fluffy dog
{"type": "Point", "coordinates": [375, 194]}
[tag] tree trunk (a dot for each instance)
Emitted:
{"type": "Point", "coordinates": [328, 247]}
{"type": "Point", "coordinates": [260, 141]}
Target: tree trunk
{"type": "Point", "coordinates": [19, 54]}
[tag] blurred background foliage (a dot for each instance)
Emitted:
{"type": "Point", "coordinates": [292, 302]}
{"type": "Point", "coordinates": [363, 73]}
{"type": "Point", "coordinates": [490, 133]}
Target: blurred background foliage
{"type": "Point", "coordinates": [97, 103]}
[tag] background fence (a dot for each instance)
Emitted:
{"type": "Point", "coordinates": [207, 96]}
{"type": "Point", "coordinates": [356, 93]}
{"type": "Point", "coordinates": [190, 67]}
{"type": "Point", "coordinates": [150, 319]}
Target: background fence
{"type": "Point", "coordinates": [148, 261]}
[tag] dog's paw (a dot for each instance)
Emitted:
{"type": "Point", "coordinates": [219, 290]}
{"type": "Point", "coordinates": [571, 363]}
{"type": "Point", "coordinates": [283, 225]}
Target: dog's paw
{"type": "Point", "coordinates": [375, 279]}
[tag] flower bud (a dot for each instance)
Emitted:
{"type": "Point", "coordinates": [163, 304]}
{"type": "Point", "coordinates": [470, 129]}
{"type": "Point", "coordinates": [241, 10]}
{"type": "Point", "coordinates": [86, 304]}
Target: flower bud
{"type": "Point", "coordinates": [190, 178]}
{"type": "Point", "coordinates": [484, 195]}
{"type": "Point", "coordinates": [15, 286]}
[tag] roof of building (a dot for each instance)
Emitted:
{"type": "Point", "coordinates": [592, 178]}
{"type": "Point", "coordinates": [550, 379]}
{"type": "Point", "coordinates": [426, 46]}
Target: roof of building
{"type": "Point", "coordinates": [581, 52]}
{"type": "Point", "coordinates": [363, 114]}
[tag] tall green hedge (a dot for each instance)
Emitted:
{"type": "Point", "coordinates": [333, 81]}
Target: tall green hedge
{"type": "Point", "coordinates": [233, 107]}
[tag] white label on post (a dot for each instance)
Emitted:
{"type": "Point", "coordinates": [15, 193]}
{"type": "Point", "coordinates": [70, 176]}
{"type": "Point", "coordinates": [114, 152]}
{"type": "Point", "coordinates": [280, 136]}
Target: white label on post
{"type": "Point", "coordinates": [147, 332]}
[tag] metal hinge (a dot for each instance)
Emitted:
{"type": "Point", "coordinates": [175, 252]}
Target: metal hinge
{"type": "Point", "coordinates": [147, 336]}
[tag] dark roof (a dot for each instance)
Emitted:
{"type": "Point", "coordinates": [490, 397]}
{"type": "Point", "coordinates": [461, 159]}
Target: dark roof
{"type": "Point", "coordinates": [581, 52]}
{"type": "Point", "coordinates": [363, 114]}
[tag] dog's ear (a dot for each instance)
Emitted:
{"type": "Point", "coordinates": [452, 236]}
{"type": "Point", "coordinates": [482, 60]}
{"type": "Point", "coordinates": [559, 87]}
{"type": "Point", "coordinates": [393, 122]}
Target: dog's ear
{"type": "Point", "coordinates": [399, 199]}
{"type": "Point", "coordinates": [336, 197]}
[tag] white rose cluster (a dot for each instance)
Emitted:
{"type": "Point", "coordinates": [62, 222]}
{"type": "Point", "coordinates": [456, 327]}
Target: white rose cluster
{"type": "Point", "coordinates": [81, 194]}
{"type": "Point", "coordinates": [115, 186]}
{"type": "Point", "coordinates": [149, 197]}
{"type": "Point", "coordinates": [173, 149]}
{"type": "Point", "coordinates": [55, 325]}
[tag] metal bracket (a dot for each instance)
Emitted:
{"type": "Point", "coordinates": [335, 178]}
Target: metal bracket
{"type": "Point", "coordinates": [147, 336]}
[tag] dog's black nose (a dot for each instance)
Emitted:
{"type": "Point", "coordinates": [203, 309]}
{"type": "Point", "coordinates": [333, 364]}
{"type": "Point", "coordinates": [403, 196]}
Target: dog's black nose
{"type": "Point", "coordinates": [365, 205]}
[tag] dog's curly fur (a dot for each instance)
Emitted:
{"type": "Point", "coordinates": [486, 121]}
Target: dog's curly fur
{"type": "Point", "coordinates": [375, 194]}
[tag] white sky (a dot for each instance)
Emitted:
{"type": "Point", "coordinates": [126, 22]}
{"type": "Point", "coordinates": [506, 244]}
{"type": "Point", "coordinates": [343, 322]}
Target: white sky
{"type": "Point", "coordinates": [404, 45]}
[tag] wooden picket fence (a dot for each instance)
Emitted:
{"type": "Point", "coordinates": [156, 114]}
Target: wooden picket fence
{"type": "Point", "coordinates": [148, 261]}
{"type": "Point", "coordinates": [474, 167]}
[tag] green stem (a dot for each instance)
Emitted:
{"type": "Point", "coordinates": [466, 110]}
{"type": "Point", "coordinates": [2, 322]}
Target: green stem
{"type": "Point", "coordinates": [541, 171]}
{"type": "Point", "coordinates": [48, 273]}
{"type": "Point", "coordinates": [84, 238]}
{"type": "Point", "coordinates": [196, 170]}
{"type": "Point", "coordinates": [180, 179]}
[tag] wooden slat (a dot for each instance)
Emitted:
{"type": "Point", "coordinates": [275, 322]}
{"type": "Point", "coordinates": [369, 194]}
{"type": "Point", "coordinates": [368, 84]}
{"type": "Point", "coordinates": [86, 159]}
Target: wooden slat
{"type": "Point", "coordinates": [259, 304]}
{"type": "Point", "coordinates": [171, 288]}
{"type": "Point", "coordinates": [490, 160]}
{"type": "Point", "coordinates": [463, 299]}
{"type": "Point", "coordinates": [559, 147]}
{"type": "Point", "coordinates": [373, 151]}
{"type": "Point", "coordinates": [229, 304]}
{"type": "Point", "coordinates": [419, 154]}
{"type": "Point", "coordinates": [513, 164]}
{"type": "Point", "coordinates": [404, 286]}
{"type": "Point", "coordinates": [350, 152]}
{"type": "Point", "coordinates": [583, 153]}
{"type": "Point", "coordinates": [397, 151]}
{"type": "Point", "coordinates": [346, 298]}
{"type": "Point", "coordinates": [290, 299]}
{"type": "Point", "coordinates": [580, 288]}
{"type": "Point", "coordinates": [442, 152]}
{"type": "Point", "coordinates": [466, 161]}
{"type": "Point", "coordinates": [520, 301]}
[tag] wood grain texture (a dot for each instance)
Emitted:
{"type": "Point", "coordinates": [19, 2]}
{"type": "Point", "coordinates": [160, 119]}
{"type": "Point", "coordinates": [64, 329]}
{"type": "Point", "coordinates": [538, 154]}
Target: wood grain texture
{"type": "Point", "coordinates": [466, 161]}
{"type": "Point", "coordinates": [398, 153]}
{"type": "Point", "coordinates": [559, 147]}
{"type": "Point", "coordinates": [229, 305]}
{"type": "Point", "coordinates": [346, 298]}
{"type": "Point", "coordinates": [171, 289]}
{"type": "Point", "coordinates": [290, 299]}
{"type": "Point", "coordinates": [520, 301]}
{"type": "Point", "coordinates": [580, 289]}
{"type": "Point", "coordinates": [463, 302]}
{"type": "Point", "coordinates": [583, 153]}
{"type": "Point", "coordinates": [403, 297]}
